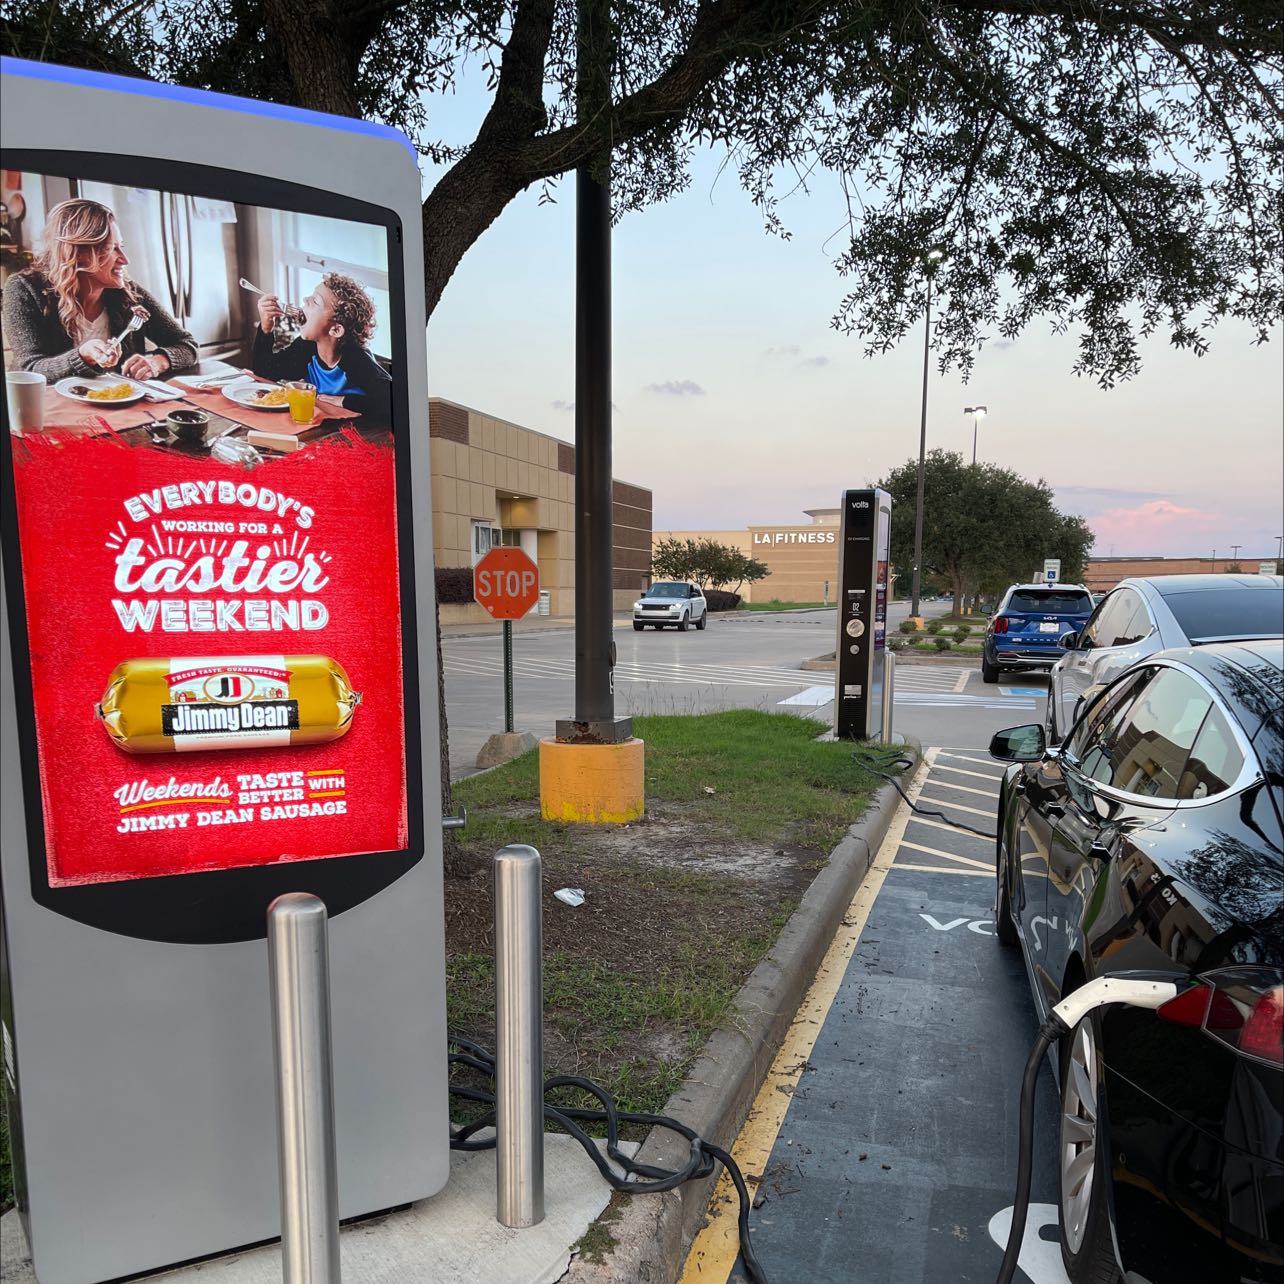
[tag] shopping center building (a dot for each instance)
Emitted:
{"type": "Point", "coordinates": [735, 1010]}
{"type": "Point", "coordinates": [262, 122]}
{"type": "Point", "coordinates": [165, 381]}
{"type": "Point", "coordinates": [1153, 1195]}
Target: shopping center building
{"type": "Point", "coordinates": [802, 560]}
{"type": "Point", "coordinates": [497, 483]}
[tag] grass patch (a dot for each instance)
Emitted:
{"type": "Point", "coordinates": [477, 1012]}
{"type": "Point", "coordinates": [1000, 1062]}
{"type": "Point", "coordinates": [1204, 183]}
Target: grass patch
{"type": "Point", "coordinates": [743, 808]}
{"type": "Point", "coordinates": [775, 604]}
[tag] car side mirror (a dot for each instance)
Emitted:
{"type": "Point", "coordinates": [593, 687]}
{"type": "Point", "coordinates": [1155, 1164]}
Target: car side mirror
{"type": "Point", "coordinates": [1019, 744]}
{"type": "Point", "coordinates": [1069, 641]}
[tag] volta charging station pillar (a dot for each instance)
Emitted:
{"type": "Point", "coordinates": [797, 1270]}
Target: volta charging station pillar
{"type": "Point", "coordinates": [217, 667]}
{"type": "Point", "coordinates": [860, 657]}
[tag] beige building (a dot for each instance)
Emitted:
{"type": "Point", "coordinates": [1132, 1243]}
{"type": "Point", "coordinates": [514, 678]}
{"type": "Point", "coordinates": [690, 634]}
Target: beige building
{"type": "Point", "coordinates": [497, 483]}
{"type": "Point", "coordinates": [802, 559]}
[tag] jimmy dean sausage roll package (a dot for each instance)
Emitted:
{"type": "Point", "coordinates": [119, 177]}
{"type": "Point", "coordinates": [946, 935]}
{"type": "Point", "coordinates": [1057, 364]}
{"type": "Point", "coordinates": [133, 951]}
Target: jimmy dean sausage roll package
{"type": "Point", "coordinates": [226, 702]}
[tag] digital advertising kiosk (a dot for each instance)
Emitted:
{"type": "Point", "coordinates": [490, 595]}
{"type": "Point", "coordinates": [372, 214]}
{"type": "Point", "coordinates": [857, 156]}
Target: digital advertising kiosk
{"type": "Point", "coordinates": [218, 664]}
{"type": "Point", "coordinates": [860, 658]}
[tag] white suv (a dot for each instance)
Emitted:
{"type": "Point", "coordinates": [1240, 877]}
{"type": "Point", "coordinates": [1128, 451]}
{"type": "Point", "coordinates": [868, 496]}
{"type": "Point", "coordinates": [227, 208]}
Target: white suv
{"type": "Point", "coordinates": [672, 602]}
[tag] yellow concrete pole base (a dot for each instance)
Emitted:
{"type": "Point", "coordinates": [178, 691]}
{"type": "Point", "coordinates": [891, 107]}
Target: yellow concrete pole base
{"type": "Point", "coordinates": [592, 784]}
{"type": "Point", "coordinates": [916, 621]}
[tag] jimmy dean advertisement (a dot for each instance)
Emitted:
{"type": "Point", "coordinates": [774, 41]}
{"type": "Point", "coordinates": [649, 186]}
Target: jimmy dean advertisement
{"type": "Point", "coordinates": [199, 402]}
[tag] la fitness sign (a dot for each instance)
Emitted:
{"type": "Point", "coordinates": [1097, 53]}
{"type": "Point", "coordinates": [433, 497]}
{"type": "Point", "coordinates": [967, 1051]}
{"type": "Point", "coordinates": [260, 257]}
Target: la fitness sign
{"type": "Point", "coordinates": [773, 538]}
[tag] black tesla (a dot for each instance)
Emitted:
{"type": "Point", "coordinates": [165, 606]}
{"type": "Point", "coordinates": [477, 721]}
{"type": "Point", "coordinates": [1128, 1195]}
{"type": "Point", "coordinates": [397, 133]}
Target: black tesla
{"type": "Point", "coordinates": [1151, 841]}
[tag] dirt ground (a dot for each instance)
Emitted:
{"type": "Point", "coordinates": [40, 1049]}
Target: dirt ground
{"type": "Point", "coordinates": [673, 921]}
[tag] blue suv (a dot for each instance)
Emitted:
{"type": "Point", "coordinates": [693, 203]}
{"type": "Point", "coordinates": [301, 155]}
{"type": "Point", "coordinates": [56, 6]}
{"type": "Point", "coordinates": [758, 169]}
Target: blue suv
{"type": "Point", "coordinates": [1026, 630]}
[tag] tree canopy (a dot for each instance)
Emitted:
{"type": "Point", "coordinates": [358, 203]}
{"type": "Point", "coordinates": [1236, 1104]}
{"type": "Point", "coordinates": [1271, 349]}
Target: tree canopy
{"type": "Point", "coordinates": [1108, 164]}
{"type": "Point", "coordinates": [706, 562]}
{"type": "Point", "coordinates": [984, 527]}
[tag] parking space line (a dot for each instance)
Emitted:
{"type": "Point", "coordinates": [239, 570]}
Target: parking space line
{"type": "Point", "coordinates": [941, 869]}
{"type": "Point", "coordinates": [973, 811]}
{"type": "Point", "coordinates": [965, 789]}
{"type": "Point", "coordinates": [963, 771]}
{"type": "Point", "coordinates": [936, 851]}
{"type": "Point", "coordinates": [962, 682]}
{"type": "Point", "coordinates": [963, 757]}
{"type": "Point", "coordinates": [949, 829]}
{"type": "Point", "coordinates": [714, 1251]}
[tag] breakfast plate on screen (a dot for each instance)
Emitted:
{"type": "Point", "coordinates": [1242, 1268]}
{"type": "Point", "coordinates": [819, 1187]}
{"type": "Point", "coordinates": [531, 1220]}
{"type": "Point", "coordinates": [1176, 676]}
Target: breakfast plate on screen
{"type": "Point", "coordinates": [101, 390]}
{"type": "Point", "coordinates": [257, 396]}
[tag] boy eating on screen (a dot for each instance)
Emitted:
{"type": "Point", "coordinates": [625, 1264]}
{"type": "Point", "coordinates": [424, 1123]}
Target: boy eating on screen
{"type": "Point", "coordinates": [330, 351]}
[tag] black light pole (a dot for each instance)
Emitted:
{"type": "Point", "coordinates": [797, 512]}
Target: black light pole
{"type": "Point", "coordinates": [594, 718]}
{"type": "Point", "coordinates": [933, 257]}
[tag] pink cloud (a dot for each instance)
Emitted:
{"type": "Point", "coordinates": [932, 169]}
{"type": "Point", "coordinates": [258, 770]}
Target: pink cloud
{"type": "Point", "coordinates": [1157, 526]}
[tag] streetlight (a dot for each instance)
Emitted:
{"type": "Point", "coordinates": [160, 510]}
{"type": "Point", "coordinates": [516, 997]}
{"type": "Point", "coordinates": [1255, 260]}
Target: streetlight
{"type": "Point", "coordinates": [931, 260]}
{"type": "Point", "coordinates": [977, 413]}
{"type": "Point", "coordinates": [1235, 552]}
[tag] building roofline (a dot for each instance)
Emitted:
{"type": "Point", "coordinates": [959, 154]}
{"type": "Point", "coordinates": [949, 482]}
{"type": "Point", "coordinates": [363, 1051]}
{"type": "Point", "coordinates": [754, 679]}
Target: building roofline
{"type": "Point", "coordinates": [535, 432]}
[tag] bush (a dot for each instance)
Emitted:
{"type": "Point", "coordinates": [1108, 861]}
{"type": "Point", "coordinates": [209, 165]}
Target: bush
{"type": "Point", "coordinates": [455, 585]}
{"type": "Point", "coordinates": [962, 633]}
{"type": "Point", "coordinates": [898, 644]}
{"type": "Point", "coordinates": [721, 600]}
{"type": "Point", "coordinates": [935, 626]}
{"type": "Point", "coordinates": [942, 644]}
{"type": "Point", "coordinates": [907, 626]}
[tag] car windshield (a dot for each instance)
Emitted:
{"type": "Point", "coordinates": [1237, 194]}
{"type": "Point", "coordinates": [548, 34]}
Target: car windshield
{"type": "Point", "coordinates": [1050, 601]}
{"type": "Point", "coordinates": [1237, 611]}
{"type": "Point", "coordinates": [665, 589]}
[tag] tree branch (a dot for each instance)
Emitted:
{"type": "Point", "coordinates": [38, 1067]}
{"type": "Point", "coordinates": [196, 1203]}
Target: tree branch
{"type": "Point", "coordinates": [321, 60]}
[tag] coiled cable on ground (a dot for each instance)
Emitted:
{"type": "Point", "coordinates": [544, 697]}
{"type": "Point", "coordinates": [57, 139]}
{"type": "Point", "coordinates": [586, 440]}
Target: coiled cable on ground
{"type": "Point", "coordinates": [879, 769]}
{"type": "Point", "coordinates": [638, 1179]}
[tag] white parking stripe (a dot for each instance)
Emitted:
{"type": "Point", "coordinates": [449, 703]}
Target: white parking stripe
{"type": "Point", "coordinates": [974, 811]}
{"type": "Point", "coordinates": [969, 861]}
{"type": "Point", "coordinates": [965, 789]}
{"type": "Point", "coordinates": [963, 757]}
{"type": "Point", "coordinates": [962, 771]}
{"type": "Point", "coordinates": [950, 829]}
{"type": "Point", "coordinates": [941, 869]}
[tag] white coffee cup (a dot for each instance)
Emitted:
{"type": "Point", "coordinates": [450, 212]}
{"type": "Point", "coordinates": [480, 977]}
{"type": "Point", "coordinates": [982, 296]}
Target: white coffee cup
{"type": "Point", "coordinates": [24, 390]}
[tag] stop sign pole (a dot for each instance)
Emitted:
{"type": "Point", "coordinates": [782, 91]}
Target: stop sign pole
{"type": "Point", "coordinates": [506, 584]}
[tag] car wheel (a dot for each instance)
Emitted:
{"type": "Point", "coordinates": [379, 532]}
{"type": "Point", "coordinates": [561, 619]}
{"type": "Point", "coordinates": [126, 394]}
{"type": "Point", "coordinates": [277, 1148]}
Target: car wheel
{"type": "Point", "coordinates": [637, 628]}
{"type": "Point", "coordinates": [989, 672]}
{"type": "Point", "coordinates": [703, 620]}
{"type": "Point", "coordinates": [1083, 1174]}
{"type": "Point", "coordinates": [1004, 926]}
{"type": "Point", "coordinates": [683, 624]}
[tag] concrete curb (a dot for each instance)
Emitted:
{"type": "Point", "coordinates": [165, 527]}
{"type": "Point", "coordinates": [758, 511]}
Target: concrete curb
{"type": "Point", "coordinates": [653, 1232]}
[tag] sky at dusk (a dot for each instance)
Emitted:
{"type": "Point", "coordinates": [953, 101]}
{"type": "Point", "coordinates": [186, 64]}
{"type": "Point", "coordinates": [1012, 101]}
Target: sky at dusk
{"type": "Point", "coordinates": [737, 403]}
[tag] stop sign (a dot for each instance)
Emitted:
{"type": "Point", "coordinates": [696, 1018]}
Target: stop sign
{"type": "Point", "coordinates": [506, 583]}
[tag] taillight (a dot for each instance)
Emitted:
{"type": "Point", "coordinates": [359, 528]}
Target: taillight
{"type": "Point", "coordinates": [1001, 624]}
{"type": "Point", "coordinates": [1241, 1006]}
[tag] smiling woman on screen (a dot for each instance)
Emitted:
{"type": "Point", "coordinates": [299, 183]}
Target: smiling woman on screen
{"type": "Point", "coordinates": [63, 316]}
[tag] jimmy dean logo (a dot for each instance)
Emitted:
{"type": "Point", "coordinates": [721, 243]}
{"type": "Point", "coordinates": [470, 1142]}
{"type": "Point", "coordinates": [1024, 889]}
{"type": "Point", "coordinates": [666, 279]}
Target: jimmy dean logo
{"type": "Point", "coordinates": [252, 715]}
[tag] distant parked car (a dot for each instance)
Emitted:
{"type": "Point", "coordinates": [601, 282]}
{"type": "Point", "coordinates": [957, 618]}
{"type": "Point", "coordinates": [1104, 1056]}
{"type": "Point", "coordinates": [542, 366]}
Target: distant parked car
{"type": "Point", "coordinates": [671, 602]}
{"type": "Point", "coordinates": [1026, 630]}
{"type": "Point", "coordinates": [1150, 843]}
{"type": "Point", "coordinates": [1142, 616]}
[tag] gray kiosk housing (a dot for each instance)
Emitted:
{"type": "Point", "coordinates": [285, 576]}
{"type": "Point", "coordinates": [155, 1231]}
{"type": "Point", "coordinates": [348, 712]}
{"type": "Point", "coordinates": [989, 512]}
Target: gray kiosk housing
{"type": "Point", "coordinates": [140, 1071]}
{"type": "Point", "coordinates": [860, 667]}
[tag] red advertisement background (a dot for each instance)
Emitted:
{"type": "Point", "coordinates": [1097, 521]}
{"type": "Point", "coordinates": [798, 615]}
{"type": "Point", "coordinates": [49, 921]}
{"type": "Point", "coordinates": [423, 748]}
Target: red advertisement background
{"type": "Point", "coordinates": [70, 497]}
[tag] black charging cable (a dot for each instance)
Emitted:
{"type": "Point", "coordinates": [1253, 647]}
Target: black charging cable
{"type": "Point", "coordinates": [879, 769]}
{"type": "Point", "coordinates": [1053, 1029]}
{"type": "Point", "coordinates": [639, 1179]}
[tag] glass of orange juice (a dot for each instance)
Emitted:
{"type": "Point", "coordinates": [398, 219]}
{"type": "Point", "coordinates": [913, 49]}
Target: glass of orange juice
{"type": "Point", "coordinates": [302, 400]}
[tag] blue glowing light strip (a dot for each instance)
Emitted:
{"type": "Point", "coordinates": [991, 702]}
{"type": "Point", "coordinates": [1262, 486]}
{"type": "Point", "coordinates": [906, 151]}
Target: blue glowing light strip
{"type": "Point", "coordinates": [198, 98]}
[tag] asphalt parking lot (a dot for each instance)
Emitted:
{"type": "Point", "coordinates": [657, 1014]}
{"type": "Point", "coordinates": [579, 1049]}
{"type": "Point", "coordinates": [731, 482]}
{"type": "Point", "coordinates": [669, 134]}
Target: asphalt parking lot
{"type": "Point", "coordinates": [884, 1145]}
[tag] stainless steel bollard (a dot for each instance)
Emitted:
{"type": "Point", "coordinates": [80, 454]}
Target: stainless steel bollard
{"type": "Point", "coordinates": [519, 1037]}
{"type": "Point", "coordinates": [298, 958]}
{"type": "Point", "coordinates": [889, 692]}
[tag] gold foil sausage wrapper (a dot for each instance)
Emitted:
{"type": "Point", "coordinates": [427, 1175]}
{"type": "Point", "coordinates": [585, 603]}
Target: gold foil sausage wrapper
{"type": "Point", "coordinates": [226, 702]}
